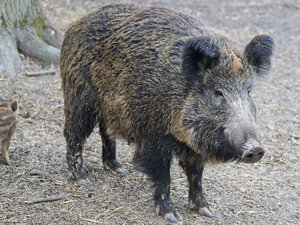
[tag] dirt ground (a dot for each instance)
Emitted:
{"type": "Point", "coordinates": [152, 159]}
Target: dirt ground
{"type": "Point", "coordinates": [267, 192]}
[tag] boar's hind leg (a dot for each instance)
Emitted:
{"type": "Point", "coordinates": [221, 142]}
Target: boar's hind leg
{"type": "Point", "coordinates": [154, 159]}
{"type": "Point", "coordinates": [109, 151]}
{"type": "Point", "coordinates": [79, 125]}
{"type": "Point", "coordinates": [194, 171]}
{"type": "Point", "coordinates": [5, 146]}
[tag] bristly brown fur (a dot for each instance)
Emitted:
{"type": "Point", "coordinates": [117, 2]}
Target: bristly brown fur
{"type": "Point", "coordinates": [7, 126]}
{"type": "Point", "coordinates": [124, 53]}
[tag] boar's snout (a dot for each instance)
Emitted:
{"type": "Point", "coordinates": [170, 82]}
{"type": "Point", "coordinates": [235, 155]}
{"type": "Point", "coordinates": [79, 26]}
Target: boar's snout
{"type": "Point", "coordinates": [252, 151]}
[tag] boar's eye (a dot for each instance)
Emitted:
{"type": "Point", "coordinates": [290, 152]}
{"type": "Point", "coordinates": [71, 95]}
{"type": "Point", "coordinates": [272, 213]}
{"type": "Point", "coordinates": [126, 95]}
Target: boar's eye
{"type": "Point", "coordinates": [14, 106]}
{"type": "Point", "coordinates": [219, 93]}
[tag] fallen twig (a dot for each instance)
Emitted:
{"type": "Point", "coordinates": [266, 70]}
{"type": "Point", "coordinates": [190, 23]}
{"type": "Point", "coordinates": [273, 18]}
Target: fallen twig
{"type": "Point", "coordinates": [90, 220]}
{"type": "Point", "coordinates": [40, 73]}
{"type": "Point", "coordinates": [29, 117]}
{"type": "Point", "coordinates": [36, 172]}
{"type": "Point", "coordinates": [48, 199]}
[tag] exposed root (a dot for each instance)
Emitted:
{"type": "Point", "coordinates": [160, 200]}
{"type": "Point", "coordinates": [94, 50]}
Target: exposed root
{"type": "Point", "coordinates": [30, 45]}
{"type": "Point", "coordinates": [52, 36]}
{"type": "Point", "coordinates": [10, 61]}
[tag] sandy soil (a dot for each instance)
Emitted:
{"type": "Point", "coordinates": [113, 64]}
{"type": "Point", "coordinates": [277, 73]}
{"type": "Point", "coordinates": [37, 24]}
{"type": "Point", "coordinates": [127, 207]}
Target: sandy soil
{"type": "Point", "coordinates": [264, 193]}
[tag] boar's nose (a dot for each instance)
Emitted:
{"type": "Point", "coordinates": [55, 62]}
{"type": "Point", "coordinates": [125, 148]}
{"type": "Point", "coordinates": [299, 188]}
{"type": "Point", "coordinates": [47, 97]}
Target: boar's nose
{"type": "Point", "coordinates": [253, 155]}
{"type": "Point", "coordinates": [252, 151]}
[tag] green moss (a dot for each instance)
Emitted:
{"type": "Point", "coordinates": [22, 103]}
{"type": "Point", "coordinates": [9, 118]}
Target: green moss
{"type": "Point", "coordinates": [22, 24]}
{"type": "Point", "coordinates": [2, 20]}
{"type": "Point", "coordinates": [39, 24]}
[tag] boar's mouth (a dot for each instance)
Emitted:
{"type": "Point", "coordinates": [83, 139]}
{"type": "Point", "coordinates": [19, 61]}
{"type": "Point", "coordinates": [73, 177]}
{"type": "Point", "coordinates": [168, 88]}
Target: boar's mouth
{"type": "Point", "coordinates": [226, 151]}
{"type": "Point", "coordinates": [249, 152]}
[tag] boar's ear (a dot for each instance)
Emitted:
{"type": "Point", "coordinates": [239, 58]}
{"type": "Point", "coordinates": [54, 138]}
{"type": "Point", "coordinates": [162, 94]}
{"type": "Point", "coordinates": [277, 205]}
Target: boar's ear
{"type": "Point", "coordinates": [259, 52]}
{"type": "Point", "coordinates": [14, 106]}
{"type": "Point", "coordinates": [198, 55]}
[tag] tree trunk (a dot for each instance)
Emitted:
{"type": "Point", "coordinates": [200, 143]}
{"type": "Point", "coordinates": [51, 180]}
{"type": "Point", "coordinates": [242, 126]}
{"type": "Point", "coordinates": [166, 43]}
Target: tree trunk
{"type": "Point", "coordinates": [25, 29]}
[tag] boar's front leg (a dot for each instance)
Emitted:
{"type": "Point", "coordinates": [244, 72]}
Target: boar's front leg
{"type": "Point", "coordinates": [154, 159]}
{"type": "Point", "coordinates": [194, 171]}
{"type": "Point", "coordinates": [163, 200]}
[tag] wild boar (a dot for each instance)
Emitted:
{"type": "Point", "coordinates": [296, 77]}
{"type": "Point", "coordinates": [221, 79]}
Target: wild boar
{"type": "Point", "coordinates": [164, 81]}
{"type": "Point", "coordinates": [7, 126]}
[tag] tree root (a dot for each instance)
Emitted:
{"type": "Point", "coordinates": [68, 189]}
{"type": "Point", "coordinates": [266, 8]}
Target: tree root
{"type": "Point", "coordinates": [52, 36]}
{"type": "Point", "coordinates": [10, 61]}
{"type": "Point", "coordinates": [31, 45]}
{"type": "Point", "coordinates": [25, 29]}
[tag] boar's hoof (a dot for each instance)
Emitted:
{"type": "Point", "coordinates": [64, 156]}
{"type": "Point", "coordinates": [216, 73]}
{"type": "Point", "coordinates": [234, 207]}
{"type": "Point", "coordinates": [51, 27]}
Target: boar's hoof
{"type": "Point", "coordinates": [5, 158]}
{"type": "Point", "coordinates": [122, 171]}
{"type": "Point", "coordinates": [6, 162]}
{"type": "Point", "coordinates": [173, 217]}
{"type": "Point", "coordinates": [85, 183]}
{"type": "Point", "coordinates": [204, 211]}
{"type": "Point", "coordinates": [115, 167]}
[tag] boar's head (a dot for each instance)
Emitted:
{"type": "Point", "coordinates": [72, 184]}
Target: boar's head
{"type": "Point", "coordinates": [219, 114]}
